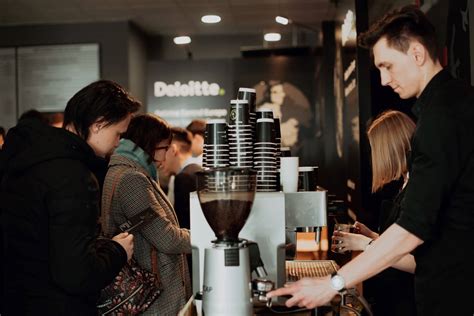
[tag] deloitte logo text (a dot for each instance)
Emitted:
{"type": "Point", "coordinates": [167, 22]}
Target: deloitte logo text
{"type": "Point", "coordinates": [191, 89]}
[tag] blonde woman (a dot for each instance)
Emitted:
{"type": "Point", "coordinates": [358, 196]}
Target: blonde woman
{"type": "Point", "coordinates": [389, 136]}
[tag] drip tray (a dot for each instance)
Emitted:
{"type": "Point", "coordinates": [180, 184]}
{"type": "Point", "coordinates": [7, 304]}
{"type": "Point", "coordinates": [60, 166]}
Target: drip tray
{"type": "Point", "coordinates": [298, 269]}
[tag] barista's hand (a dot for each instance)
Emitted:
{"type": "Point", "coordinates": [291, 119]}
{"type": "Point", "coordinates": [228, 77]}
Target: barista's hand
{"type": "Point", "coordinates": [126, 241]}
{"type": "Point", "coordinates": [364, 230]}
{"type": "Point", "coordinates": [307, 292]}
{"type": "Point", "coordinates": [349, 241]}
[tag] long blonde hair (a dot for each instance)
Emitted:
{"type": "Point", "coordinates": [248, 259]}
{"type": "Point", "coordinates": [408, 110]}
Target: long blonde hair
{"type": "Point", "coordinates": [389, 136]}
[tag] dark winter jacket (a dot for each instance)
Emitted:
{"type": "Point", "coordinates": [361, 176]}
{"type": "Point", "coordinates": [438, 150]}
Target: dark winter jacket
{"type": "Point", "coordinates": [49, 204]}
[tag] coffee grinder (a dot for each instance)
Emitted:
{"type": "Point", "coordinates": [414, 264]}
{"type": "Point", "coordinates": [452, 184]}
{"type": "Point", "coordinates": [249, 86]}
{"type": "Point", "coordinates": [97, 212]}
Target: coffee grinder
{"type": "Point", "coordinates": [226, 197]}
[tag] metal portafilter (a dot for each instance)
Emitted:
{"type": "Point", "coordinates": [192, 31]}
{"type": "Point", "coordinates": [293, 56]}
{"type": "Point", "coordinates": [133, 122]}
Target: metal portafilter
{"type": "Point", "coordinates": [260, 285]}
{"type": "Point", "coordinates": [260, 288]}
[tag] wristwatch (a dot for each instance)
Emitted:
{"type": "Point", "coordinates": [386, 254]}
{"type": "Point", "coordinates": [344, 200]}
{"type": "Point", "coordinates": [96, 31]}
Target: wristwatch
{"type": "Point", "coordinates": [337, 282]}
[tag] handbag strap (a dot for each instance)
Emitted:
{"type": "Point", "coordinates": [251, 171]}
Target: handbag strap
{"type": "Point", "coordinates": [153, 252]}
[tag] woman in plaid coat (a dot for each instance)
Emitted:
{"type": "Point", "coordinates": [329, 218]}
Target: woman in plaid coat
{"type": "Point", "coordinates": [130, 187]}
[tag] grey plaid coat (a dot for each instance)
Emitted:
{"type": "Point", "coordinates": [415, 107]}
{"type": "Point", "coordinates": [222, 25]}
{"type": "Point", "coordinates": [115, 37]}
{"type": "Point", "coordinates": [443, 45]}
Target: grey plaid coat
{"type": "Point", "coordinates": [135, 190]}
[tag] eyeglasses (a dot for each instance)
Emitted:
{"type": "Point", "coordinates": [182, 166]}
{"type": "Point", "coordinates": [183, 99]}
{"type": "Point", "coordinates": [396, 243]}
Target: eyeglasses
{"type": "Point", "coordinates": [162, 147]}
{"type": "Point", "coordinates": [165, 148]}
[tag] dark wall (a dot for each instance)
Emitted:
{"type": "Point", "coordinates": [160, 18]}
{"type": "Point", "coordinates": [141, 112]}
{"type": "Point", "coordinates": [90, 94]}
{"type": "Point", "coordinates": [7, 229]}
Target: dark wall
{"type": "Point", "coordinates": [296, 76]}
{"type": "Point", "coordinates": [332, 171]}
{"type": "Point", "coordinates": [452, 21]}
{"type": "Point", "coordinates": [220, 46]}
{"type": "Point", "coordinates": [205, 47]}
{"type": "Point", "coordinates": [123, 48]}
{"type": "Point", "coordinates": [112, 38]}
{"type": "Point", "coordinates": [366, 79]}
{"type": "Point", "coordinates": [137, 64]}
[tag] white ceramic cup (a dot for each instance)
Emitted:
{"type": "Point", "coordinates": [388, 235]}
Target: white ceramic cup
{"type": "Point", "coordinates": [289, 174]}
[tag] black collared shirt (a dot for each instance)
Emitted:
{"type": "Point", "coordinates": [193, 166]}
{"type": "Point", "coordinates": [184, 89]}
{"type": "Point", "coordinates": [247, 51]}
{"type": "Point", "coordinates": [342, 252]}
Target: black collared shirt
{"type": "Point", "coordinates": [438, 206]}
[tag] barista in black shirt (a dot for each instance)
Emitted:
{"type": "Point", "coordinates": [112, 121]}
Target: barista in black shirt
{"type": "Point", "coordinates": [439, 202]}
{"type": "Point", "coordinates": [437, 213]}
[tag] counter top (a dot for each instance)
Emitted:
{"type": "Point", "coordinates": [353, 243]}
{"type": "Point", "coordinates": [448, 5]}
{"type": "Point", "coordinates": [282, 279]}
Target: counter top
{"type": "Point", "coordinates": [193, 308]}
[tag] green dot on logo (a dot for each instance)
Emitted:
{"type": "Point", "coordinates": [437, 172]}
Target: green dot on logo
{"type": "Point", "coordinates": [221, 91]}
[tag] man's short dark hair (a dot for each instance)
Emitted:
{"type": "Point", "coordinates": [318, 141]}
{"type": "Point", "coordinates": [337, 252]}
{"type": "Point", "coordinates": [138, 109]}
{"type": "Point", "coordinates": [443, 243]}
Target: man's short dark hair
{"type": "Point", "coordinates": [2, 131]}
{"type": "Point", "coordinates": [400, 27]}
{"type": "Point", "coordinates": [101, 101]}
{"type": "Point", "coordinates": [147, 131]}
{"type": "Point", "coordinates": [34, 114]}
{"type": "Point", "coordinates": [183, 137]}
{"type": "Point", "coordinates": [197, 127]}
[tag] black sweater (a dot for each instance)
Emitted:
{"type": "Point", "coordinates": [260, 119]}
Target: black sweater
{"type": "Point", "coordinates": [49, 207]}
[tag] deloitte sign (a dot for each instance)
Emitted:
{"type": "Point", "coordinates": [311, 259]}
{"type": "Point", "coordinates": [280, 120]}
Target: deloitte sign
{"type": "Point", "coordinates": [190, 89]}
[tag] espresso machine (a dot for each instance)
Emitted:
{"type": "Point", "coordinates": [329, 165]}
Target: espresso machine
{"type": "Point", "coordinates": [226, 197]}
{"type": "Point", "coordinates": [274, 219]}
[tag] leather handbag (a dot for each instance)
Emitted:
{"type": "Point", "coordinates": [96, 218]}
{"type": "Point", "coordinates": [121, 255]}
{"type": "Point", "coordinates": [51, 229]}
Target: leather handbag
{"type": "Point", "coordinates": [134, 289]}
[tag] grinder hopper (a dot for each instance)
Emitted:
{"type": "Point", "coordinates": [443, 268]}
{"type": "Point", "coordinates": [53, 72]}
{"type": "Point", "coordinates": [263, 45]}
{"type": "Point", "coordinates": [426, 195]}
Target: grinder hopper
{"type": "Point", "coordinates": [226, 197]}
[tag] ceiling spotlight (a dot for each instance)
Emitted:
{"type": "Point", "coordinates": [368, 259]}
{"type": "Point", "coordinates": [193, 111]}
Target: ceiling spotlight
{"type": "Point", "coordinates": [282, 20]}
{"type": "Point", "coordinates": [272, 37]}
{"type": "Point", "coordinates": [181, 40]}
{"type": "Point", "coordinates": [211, 18]}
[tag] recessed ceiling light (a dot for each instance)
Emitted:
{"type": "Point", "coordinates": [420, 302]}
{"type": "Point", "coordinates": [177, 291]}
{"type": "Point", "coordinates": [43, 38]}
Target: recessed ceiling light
{"type": "Point", "coordinates": [211, 18]}
{"type": "Point", "coordinates": [272, 37]}
{"type": "Point", "coordinates": [282, 20]}
{"type": "Point", "coordinates": [181, 40]}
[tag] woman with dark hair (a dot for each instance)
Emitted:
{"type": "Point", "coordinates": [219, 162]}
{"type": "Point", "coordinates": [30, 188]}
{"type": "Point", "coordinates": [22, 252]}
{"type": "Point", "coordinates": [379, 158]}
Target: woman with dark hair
{"type": "Point", "coordinates": [131, 187]}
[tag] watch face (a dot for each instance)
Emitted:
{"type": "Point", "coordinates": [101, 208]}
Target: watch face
{"type": "Point", "coordinates": [337, 282]}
